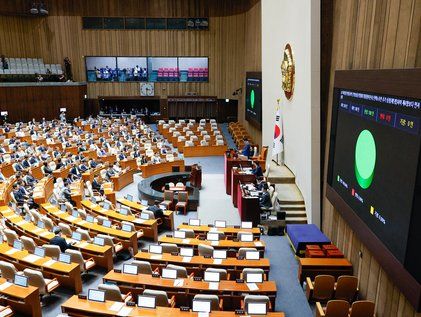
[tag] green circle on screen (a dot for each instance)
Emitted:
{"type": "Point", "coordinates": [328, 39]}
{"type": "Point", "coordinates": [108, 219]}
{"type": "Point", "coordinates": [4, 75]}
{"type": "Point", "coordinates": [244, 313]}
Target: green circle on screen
{"type": "Point", "coordinates": [365, 159]}
{"type": "Point", "coordinates": [252, 98]}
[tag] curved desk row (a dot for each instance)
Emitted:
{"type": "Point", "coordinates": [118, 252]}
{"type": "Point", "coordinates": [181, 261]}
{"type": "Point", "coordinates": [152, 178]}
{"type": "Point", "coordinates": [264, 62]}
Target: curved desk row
{"type": "Point", "coordinates": [228, 231]}
{"type": "Point", "coordinates": [24, 300]}
{"type": "Point", "coordinates": [149, 170]}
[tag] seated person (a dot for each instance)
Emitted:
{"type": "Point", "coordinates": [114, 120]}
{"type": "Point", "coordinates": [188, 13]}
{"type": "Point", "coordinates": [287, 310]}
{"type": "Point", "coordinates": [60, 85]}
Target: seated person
{"type": "Point", "coordinates": [257, 170]}
{"type": "Point", "coordinates": [264, 200]}
{"type": "Point", "coordinates": [59, 240]}
{"type": "Point", "coordinates": [246, 151]}
{"type": "Point", "coordinates": [96, 185]}
{"type": "Point", "coordinates": [156, 209]}
{"type": "Point", "coordinates": [260, 182]}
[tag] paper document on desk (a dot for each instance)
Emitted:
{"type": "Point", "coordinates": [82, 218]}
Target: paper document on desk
{"type": "Point", "coordinates": [70, 218]}
{"type": "Point", "coordinates": [213, 230]}
{"type": "Point", "coordinates": [31, 258]}
{"type": "Point", "coordinates": [125, 311]}
{"type": "Point", "coordinates": [6, 312]}
{"type": "Point", "coordinates": [186, 241]}
{"type": "Point", "coordinates": [4, 286]}
{"type": "Point", "coordinates": [37, 230]}
{"type": "Point", "coordinates": [116, 306]}
{"type": "Point", "coordinates": [12, 217]}
{"type": "Point", "coordinates": [45, 233]}
{"type": "Point", "coordinates": [186, 259]}
{"type": "Point", "coordinates": [202, 314]}
{"type": "Point", "coordinates": [49, 262]}
{"type": "Point", "coordinates": [156, 257]}
{"type": "Point", "coordinates": [258, 244]}
{"type": "Point", "coordinates": [252, 286]}
{"type": "Point", "coordinates": [140, 221]}
{"type": "Point", "coordinates": [11, 251]}
{"type": "Point", "coordinates": [82, 222]}
{"type": "Point", "coordinates": [214, 243]}
{"type": "Point", "coordinates": [213, 285]}
{"type": "Point", "coordinates": [254, 194]}
{"type": "Point", "coordinates": [21, 223]}
{"type": "Point", "coordinates": [217, 261]}
{"type": "Point", "coordinates": [178, 282]}
{"type": "Point", "coordinates": [82, 244]}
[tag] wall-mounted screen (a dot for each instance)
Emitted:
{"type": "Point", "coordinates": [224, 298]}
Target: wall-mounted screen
{"type": "Point", "coordinates": [132, 69]}
{"type": "Point", "coordinates": [101, 69]}
{"type": "Point", "coordinates": [163, 69]}
{"type": "Point", "coordinates": [193, 69]}
{"type": "Point", "coordinates": [254, 98]}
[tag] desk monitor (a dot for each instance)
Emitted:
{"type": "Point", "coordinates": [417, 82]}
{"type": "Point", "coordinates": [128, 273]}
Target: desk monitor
{"type": "Point", "coordinates": [252, 255]}
{"type": "Point", "coordinates": [64, 257]}
{"type": "Point", "coordinates": [194, 222]}
{"type": "Point", "coordinates": [41, 224]}
{"type": "Point", "coordinates": [130, 269]}
{"type": "Point", "coordinates": [144, 202]}
{"type": "Point", "coordinates": [220, 224]}
{"type": "Point", "coordinates": [179, 234]}
{"type": "Point", "coordinates": [186, 252]}
{"type": "Point", "coordinates": [124, 211]}
{"type": "Point", "coordinates": [106, 206]}
{"type": "Point", "coordinates": [254, 308]}
{"type": "Point", "coordinates": [254, 278]}
{"type": "Point", "coordinates": [201, 306]}
{"type": "Point", "coordinates": [246, 225]}
{"type": "Point", "coordinates": [169, 273]}
{"type": "Point", "coordinates": [212, 277]}
{"type": "Point", "coordinates": [163, 207]}
{"type": "Point", "coordinates": [156, 249]}
{"type": "Point", "coordinates": [90, 218]}
{"type": "Point", "coordinates": [20, 280]}
{"type": "Point", "coordinates": [144, 216]}
{"type": "Point", "coordinates": [219, 254]}
{"type": "Point", "coordinates": [93, 200]}
{"type": "Point", "coordinates": [99, 241]}
{"type": "Point", "coordinates": [211, 236]}
{"type": "Point", "coordinates": [96, 295]}
{"type": "Point", "coordinates": [39, 251]}
{"type": "Point", "coordinates": [18, 245]}
{"type": "Point", "coordinates": [75, 213]}
{"type": "Point", "coordinates": [246, 237]}
{"type": "Point", "coordinates": [1, 238]}
{"type": "Point", "coordinates": [146, 301]}
{"type": "Point", "coordinates": [129, 197]}
{"type": "Point", "coordinates": [107, 223]}
{"type": "Point", "coordinates": [126, 227]}
{"type": "Point", "coordinates": [28, 218]}
{"type": "Point", "coordinates": [63, 207]}
{"type": "Point", "coordinates": [76, 236]}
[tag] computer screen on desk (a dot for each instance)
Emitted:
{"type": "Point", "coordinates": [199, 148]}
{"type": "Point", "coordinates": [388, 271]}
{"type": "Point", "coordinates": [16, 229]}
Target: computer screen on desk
{"type": "Point", "coordinates": [254, 278]}
{"type": "Point", "coordinates": [186, 252]}
{"type": "Point", "coordinates": [252, 255]}
{"type": "Point", "coordinates": [146, 301]}
{"type": "Point", "coordinates": [212, 277]}
{"type": "Point", "coordinates": [126, 227]}
{"type": "Point", "coordinates": [96, 295]}
{"type": "Point", "coordinates": [179, 234]}
{"type": "Point", "coordinates": [220, 223]}
{"type": "Point", "coordinates": [201, 306]}
{"type": "Point", "coordinates": [106, 223]}
{"type": "Point", "coordinates": [129, 197]}
{"type": "Point", "coordinates": [246, 237]}
{"type": "Point", "coordinates": [65, 258]}
{"type": "Point", "coordinates": [157, 249]}
{"type": "Point", "coordinates": [219, 254]}
{"type": "Point", "coordinates": [254, 308]}
{"type": "Point", "coordinates": [194, 222]}
{"type": "Point", "coordinates": [39, 251]}
{"type": "Point", "coordinates": [99, 241]}
{"type": "Point", "coordinates": [211, 236]}
{"type": "Point", "coordinates": [17, 245]}
{"type": "Point", "coordinates": [76, 236]}
{"type": "Point", "coordinates": [169, 273]}
{"type": "Point", "coordinates": [246, 224]}
{"type": "Point", "coordinates": [130, 269]}
{"type": "Point", "coordinates": [20, 280]}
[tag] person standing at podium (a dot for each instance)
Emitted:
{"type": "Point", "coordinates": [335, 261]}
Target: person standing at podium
{"type": "Point", "coordinates": [264, 200]}
{"type": "Point", "coordinates": [246, 151]}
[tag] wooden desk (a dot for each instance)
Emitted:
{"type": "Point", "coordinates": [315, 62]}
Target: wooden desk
{"type": "Point", "coordinates": [229, 163]}
{"type": "Point", "coordinates": [130, 163]}
{"type": "Point", "coordinates": [198, 264]}
{"type": "Point", "coordinates": [167, 222]}
{"type": "Point", "coordinates": [248, 206]}
{"type": "Point", "coordinates": [62, 172]}
{"type": "Point", "coordinates": [231, 291]}
{"type": "Point", "coordinates": [24, 300]}
{"type": "Point", "coordinates": [149, 170]}
{"type": "Point", "coordinates": [108, 158]}
{"type": "Point", "coordinates": [91, 173]}
{"type": "Point", "coordinates": [221, 244]}
{"type": "Point", "coordinates": [123, 180]}
{"type": "Point", "coordinates": [67, 274]}
{"type": "Point", "coordinates": [82, 307]}
{"type": "Point", "coordinates": [210, 150]}
{"type": "Point", "coordinates": [43, 190]}
{"type": "Point", "coordinates": [229, 231]}
{"type": "Point", "coordinates": [149, 227]}
{"type": "Point", "coordinates": [7, 169]}
{"type": "Point", "coordinates": [103, 255]}
{"type": "Point", "coordinates": [311, 267]}
{"type": "Point", "coordinates": [5, 190]}
{"type": "Point", "coordinates": [238, 177]}
{"type": "Point", "coordinates": [128, 239]}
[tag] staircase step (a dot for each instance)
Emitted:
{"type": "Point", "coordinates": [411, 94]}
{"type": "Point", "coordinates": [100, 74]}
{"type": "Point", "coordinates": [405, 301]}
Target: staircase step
{"type": "Point", "coordinates": [294, 213]}
{"type": "Point", "coordinates": [296, 221]}
{"type": "Point", "coordinates": [288, 207]}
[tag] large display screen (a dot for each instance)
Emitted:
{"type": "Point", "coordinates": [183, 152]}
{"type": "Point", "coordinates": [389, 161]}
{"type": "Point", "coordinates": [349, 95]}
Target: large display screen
{"type": "Point", "coordinates": [152, 69]}
{"type": "Point", "coordinates": [254, 99]}
{"type": "Point", "coordinates": [376, 145]}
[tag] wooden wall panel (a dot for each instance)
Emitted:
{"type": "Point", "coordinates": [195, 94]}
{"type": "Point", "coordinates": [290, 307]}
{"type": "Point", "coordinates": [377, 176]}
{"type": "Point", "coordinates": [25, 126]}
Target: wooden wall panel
{"type": "Point", "coordinates": [371, 34]}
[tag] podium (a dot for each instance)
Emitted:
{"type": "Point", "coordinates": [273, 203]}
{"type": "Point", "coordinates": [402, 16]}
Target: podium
{"type": "Point", "coordinates": [248, 206]}
{"type": "Point", "coordinates": [229, 163]}
{"type": "Point", "coordinates": [237, 177]}
{"type": "Point", "coordinates": [196, 176]}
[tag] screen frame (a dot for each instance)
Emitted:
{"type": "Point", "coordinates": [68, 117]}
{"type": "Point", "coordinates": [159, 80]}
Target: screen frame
{"type": "Point", "coordinates": [391, 82]}
{"type": "Point", "coordinates": [253, 122]}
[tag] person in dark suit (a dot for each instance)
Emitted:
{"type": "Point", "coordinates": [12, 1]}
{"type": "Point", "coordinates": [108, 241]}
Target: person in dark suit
{"type": "Point", "coordinates": [246, 151]}
{"type": "Point", "coordinates": [257, 169]}
{"type": "Point", "coordinates": [157, 211]}
{"type": "Point", "coordinates": [59, 240]}
{"type": "Point", "coordinates": [96, 185]}
{"type": "Point", "coordinates": [264, 200]}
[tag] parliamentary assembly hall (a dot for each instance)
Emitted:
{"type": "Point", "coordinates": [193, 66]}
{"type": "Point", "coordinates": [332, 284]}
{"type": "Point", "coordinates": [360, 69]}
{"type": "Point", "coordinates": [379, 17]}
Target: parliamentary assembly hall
{"type": "Point", "coordinates": [210, 158]}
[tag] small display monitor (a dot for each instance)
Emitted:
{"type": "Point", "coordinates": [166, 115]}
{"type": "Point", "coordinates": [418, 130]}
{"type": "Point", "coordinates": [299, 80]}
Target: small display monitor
{"type": "Point", "coordinates": [20, 280]}
{"type": "Point", "coordinates": [212, 277]}
{"type": "Point", "coordinates": [96, 295]}
{"type": "Point", "coordinates": [144, 202]}
{"type": "Point", "coordinates": [63, 207]}
{"type": "Point", "coordinates": [75, 213]}
{"type": "Point", "coordinates": [201, 306]}
{"type": "Point", "coordinates": [99, 241]}
{"type": "Point", "coordinates": [169, 273]}
{"type": "Point", "coordinates": [179, 234]}
{"type": "Point", "coordinates": [17, 245]}
{"type": "Point", "coordinates": [194, 222]}
{"type": "Point", "coordinates": [106, 206]}
{"type": "Point", "coordinates": [154, 248]}
{"type": "Point", "coordinates": [126, 227]}
{"type": "Point", "coordinates": [93, 200]}
{"type": "Point", "coordinates": [246, 237]}
{"type": "Point", "coordinates": [76, 236]}
{"type": "Point", "coordinates": [254, 308]}
{"type": "Point", "coordinates": [64, 257]}
{"type": "Point", "coordinates": [220, 224]}
{"type": "Point", "coordinates": [39, 251]}
{"type": "Point", "coordinates": [129, 197]}
{"type": "Point", "coordinates": [41, 224]}
{"type": "Point", "coordinates": [254, 278]}
{"type": "Point", "coordinates": [252, 255]}
{"type": "Point", "coordinates": [146, 301]}
{"type": "Point", "coordinates": [186, 252]}
{"type": "Point", "coordinates": [124, 211]}
{"type": "Point", "coordinates": [144, 216]}
{"type": "Point", "coordinates": [130, 269]}
{"type": "Point", "coordinates": [90, 218]}
{"type": "Point", "coordinates": [107, 223]}
{"type": "Point", "coordinates": [219, 254]}
{"type": "Point", "coordinates": [246, 225]}
{"type": "Point", "coordinates": [212, 236]}
{"type": "Point", "coordinates": [28, 218]}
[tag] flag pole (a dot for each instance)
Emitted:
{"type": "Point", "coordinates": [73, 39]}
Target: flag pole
{"type": "Point", "coordinates": [277, 154]}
